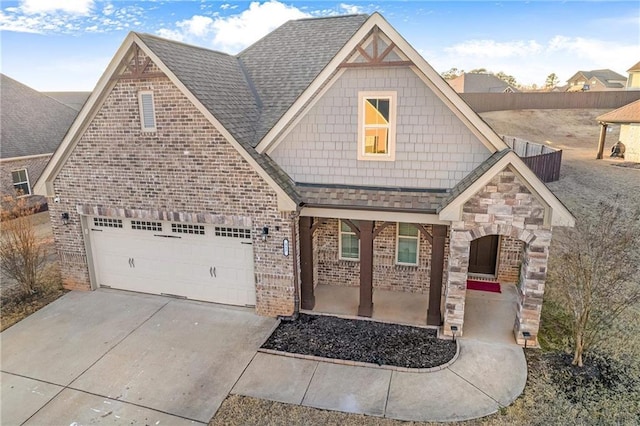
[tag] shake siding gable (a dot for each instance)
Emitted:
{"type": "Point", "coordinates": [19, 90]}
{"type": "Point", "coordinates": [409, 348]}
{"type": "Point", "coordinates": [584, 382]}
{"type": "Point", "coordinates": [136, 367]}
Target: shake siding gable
{"type": "Point", "coordinates": [434, 149]}
{"type": "Point", "coordinates": [185, 171]}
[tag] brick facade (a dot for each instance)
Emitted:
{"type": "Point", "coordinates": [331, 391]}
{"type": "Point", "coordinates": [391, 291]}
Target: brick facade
{"type": "Point", "coordinates": [506, 207]}
{"type": "Point", "coordinates": [387, 275]}
{"type": "Point", "coordinates": [185, 171]}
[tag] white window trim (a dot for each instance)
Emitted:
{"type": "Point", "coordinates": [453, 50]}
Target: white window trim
{"type": "Point", "coordinates": [26, 174]}
{"type": "Point", "coordinates": [153, 105]}
{"type": "Point", "coordinates": [417, 238]}
{"type": "Point", "coordinates": [391, 155]}
{"type": "Point", "coordinates": [350, 232]}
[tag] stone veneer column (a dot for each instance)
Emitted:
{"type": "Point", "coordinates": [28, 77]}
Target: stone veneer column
{"type": "Point", "coordinates": [531, 287]}
{"type": "Point", "coordinates": [459, 243]}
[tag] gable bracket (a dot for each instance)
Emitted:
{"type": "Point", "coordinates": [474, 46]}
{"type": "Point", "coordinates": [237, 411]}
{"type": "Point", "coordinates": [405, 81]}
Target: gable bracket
{"type": "Point", "coordinates": [377, 60]}
{"type": "Point", "coordinates": [137, 71]}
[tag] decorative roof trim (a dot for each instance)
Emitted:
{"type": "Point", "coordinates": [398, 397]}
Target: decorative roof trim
{"type": "Point", "coordinates": [556, 214]}
{"type": "Point", "coordinates": [440, 87]}
{"type": "Point", "coordinates": [44, 186]}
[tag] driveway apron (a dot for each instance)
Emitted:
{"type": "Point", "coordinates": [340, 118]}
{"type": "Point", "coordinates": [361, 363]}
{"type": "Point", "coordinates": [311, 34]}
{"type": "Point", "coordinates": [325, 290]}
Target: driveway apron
{"type": "Point", "coordinates": [94, 356]}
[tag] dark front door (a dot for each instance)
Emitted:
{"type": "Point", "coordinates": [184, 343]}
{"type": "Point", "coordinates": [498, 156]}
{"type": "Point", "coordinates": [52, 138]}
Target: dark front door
{"type": "Point", "coordinates": [483, 255]}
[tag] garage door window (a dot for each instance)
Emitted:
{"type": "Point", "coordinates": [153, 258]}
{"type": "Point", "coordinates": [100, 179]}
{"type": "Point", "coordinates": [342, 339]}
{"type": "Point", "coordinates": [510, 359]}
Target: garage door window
{"type": "Point", "coordinates": [105, 222]}
{"type": "Point", "coordinates": [233, 232]}
{"type": "Point", "coordinates": [142, 225]}
{"type": "Point", "coordinates": [186, 228]}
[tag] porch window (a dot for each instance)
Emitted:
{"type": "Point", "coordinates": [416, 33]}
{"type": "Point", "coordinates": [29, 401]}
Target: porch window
{"type": "Point", "coordinates": [349, 242]}
{"type": "Point", "coordinates": [376, 126]}
{"type": "Point", "coordinates": [407, 244]}
{"type": "Point", "coordinates": [21, 182]}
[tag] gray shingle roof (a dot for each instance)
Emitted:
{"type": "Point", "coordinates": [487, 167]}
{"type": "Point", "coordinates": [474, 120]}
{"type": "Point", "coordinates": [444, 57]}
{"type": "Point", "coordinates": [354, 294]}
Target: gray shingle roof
{"type": "Point", "coordinates": [468, 180]}
{"type": "Point", "coordinates": [74, 100]}
{"type": "Point", "coordinates": [396, 199]}
{"type": "Point", "coordinates": [285, 62]}
{"type": "Point", "coordinates": [30, 123]}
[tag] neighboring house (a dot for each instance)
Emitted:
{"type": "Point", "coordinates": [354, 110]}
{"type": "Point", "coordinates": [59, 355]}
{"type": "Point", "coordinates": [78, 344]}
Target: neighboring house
{"type": "Point", "coordinates": [32, 126]}
{"type": "Point", "coordinates": [480, 83]}
{"type": "Point", "coordinates": [329, 153]}
{"type": "Point", "coordinates": [633, 82]}
{"type": "Point", "coordinates": [596, 81]}
{"type": "Point", "coordinates": [628, 117]}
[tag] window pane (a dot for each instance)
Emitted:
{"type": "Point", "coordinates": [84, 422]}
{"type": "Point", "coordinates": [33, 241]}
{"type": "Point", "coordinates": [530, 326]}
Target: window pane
{"type": "Point", "coordinates": [377, 111]}
{"type": "Point", "coordinates": [407, 250]}
{"type": "Point", "coordinates": [407, 230]}
{"type": "Point", "coordinates": [376, 141]}
{"type": "Point", "coordinates": [350, 246]}
{"type": "Point", "coordinates": [19, 176]}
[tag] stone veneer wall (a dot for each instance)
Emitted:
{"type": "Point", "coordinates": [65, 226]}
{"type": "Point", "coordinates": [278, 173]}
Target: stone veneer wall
{"type": "Point", "coordinates": [506, 207]}
{"type": "Point", "coordinates": [386, 274]}
{"type": "Point", "coordinates": [185, 171]}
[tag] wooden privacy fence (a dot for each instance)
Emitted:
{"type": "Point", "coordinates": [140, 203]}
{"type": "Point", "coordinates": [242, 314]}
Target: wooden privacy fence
{"type": "Point", "coordinates": [544, 161]}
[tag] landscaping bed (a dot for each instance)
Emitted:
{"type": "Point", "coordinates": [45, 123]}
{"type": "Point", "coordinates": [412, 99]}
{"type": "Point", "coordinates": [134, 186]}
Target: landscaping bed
{"type": "Point", "coordinates": [362, 341]}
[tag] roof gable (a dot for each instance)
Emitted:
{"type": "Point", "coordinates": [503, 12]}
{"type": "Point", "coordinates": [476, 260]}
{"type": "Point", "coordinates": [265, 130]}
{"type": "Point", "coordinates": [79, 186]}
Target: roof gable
{"type": "Point", "coordinates": [556, 214]}
{"type": "Point", "coordinates": [31, 123]}
{"type": "Point", "coordinates": [405, 52]}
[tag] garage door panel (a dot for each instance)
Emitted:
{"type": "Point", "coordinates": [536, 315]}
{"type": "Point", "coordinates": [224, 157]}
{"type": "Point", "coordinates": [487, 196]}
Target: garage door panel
{"type": "Point", "coordinates": [199, 262]}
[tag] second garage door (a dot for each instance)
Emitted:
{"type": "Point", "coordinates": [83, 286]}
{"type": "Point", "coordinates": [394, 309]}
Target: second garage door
{"type": "Point", "coordinates": [196, 261]}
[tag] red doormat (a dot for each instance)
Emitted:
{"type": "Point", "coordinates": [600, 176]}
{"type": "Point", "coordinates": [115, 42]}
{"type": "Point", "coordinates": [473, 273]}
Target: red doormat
{"type": "Point", "coordinates": [491, 286]}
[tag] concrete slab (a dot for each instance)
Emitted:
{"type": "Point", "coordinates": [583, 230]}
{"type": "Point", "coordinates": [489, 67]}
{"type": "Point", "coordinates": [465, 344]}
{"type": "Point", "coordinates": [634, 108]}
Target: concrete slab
{"type": "Point", "coordinates": [60, 341]}
{"type": "Point", "coordinates": [489, 317]}
{"type": "Point", "coordinates": [72, 407]}
{"type": "Point", "coordinates": [184, 361]}
{"type": "Point", "coordinates": [349, 389]}
{"type": "Point", "coordinates": [498, 370]}
{"type": "Point", "coordinates": [439, 396]}
{"type": "Point", "coordinates": [22, 397]}
{"type": "Point", "coordinates": [276, 378]}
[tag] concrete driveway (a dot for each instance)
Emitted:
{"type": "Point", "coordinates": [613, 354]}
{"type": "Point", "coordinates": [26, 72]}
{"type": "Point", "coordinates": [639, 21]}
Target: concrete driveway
{"type": "Point", "coordinates": [115, 357]}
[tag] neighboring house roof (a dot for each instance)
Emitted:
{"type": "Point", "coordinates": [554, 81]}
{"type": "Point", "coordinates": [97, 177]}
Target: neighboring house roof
{"type": "Point", "coordinates": [480, 83]}
{"type": "Point", "coordinates": [636, 67]}
{"type": "Point", "coordinates": [31, 123]}
{"type": "Point", "coordinates": [627, 114]}
{"type": "Point", "coordinates": [608, 78]}
{"type": "Point", "coordinates": [73, 100]}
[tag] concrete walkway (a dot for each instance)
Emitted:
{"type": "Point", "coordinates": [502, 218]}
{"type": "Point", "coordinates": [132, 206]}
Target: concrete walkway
{"type": "Point", "coordinates": [124, 358]}
{"type": "Point", "coordinates": [484, 378]}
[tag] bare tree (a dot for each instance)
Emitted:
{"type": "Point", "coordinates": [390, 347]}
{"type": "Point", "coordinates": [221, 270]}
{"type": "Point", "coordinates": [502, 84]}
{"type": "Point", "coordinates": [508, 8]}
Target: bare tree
{"type": "Point", "coordinates": [596, 273]}
{"type": "Point", "coordinates": [22, 255]}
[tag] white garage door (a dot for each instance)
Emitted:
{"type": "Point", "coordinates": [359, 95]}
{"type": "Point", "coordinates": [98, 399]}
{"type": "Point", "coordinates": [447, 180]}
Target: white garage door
{"type": "Point", "coordinates": [200, 262]}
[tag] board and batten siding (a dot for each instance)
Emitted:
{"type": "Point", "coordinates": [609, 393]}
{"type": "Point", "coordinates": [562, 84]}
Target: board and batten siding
{"type": "Point", "coordinates": [434, 149]}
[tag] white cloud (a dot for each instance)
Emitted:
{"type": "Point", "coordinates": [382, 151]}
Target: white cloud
{"type": "Point", "coordinates": [77, 7]}
{"type": "Point", "coordinates": [235, 32]}
{"type": "Point", "coordinates": [495, 49]}
{"type": "Point", "coordinates": [350, 8]}
{"type": "Point", "coordinates": [238, 31]}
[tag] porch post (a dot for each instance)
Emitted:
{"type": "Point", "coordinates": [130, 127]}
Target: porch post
{"type": "Point", "coordinates": [603, 136]}
{"type": "Point", "coordinates": [437, 266]}
{"type": "Point", "coordinates": [366, 269]}
{"type": "Point", "coordinates": [308, 299]}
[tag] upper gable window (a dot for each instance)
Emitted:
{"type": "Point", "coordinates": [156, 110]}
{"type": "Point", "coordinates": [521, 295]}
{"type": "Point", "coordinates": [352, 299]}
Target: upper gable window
{"type": "Point", "coordinates": [376, 126]}
{"type": "Point", "coordinates": [147, 111]}
{"type": "Point", "coordinates": [21, 182]}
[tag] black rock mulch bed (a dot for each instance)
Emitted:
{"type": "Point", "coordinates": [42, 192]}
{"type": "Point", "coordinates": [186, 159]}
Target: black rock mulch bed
{"type": "Point", "coordinates": [363, 341]}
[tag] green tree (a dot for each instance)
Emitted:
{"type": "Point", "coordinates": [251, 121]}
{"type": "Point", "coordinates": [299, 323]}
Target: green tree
{"type": "Point", "coordinates": [479, 71]}
{"type": "Point", "coordinates": [452, 73]}
{"type": "Point", "coordinates": [551, 81]}
{"type": "Point", "coordinates": [509, 79]}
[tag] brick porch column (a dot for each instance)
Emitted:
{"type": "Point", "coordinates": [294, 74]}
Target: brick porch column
{"type": "Point", "coordinates": [533, 273]}
{"type": "Point", "coordinates": [456, 289]}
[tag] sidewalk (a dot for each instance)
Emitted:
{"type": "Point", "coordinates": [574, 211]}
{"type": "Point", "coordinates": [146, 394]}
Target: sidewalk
{"type": "Point", "coordinates": [484, 378]}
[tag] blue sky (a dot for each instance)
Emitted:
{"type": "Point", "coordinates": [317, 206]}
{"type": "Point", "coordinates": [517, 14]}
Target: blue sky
{"type": "Point", "coordinates": [66, 44]}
